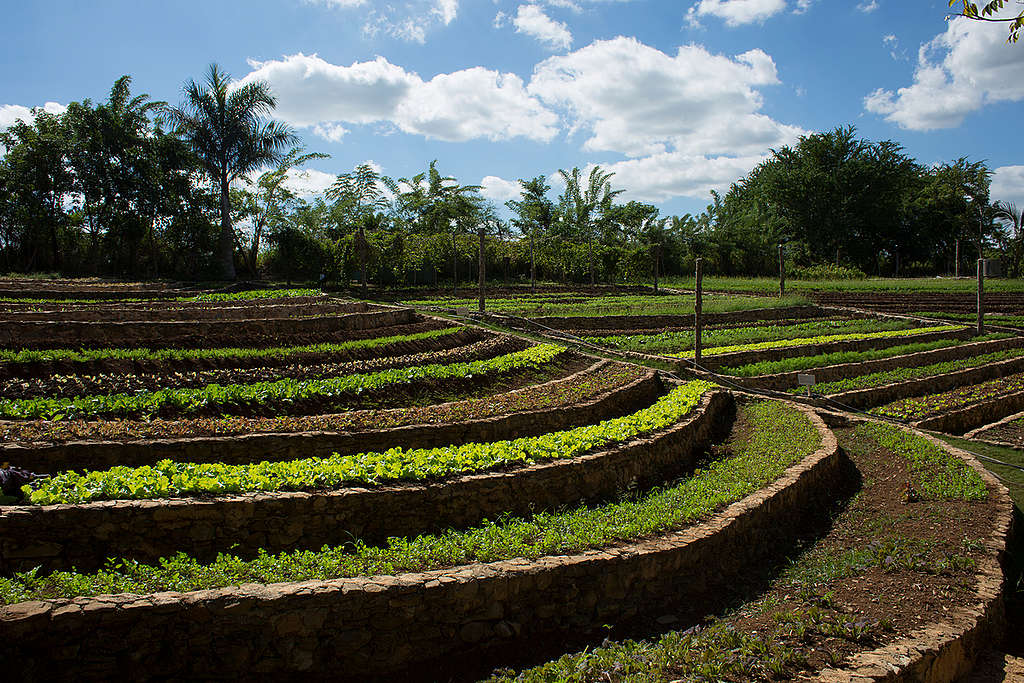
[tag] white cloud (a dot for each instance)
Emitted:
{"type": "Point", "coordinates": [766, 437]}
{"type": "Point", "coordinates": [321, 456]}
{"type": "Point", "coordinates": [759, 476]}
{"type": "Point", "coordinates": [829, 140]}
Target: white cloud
{"type": "Point", "coordinates": [463, 105]}
{"type": "Point", "coordinates": [868, 6]}
{"type": "Point", "coordinates": [447, 10]}
{"type": "Point", "coordinates": [637, 100]}
{"type": "Point", "coordinates": [337, 3]}
{"type": "Point", "coordinates": [531, 20]}
{"type": "Point", "coordinates": [565, 4]}
{"type": "Point", "coordinates": [499, 190]}
{"type": "Point", "coordinates": [308, 182]}
{"type": "Point", "coordinates": [500, 19]}
{"type": "Point", "coordinates": [9, 113]}
{"type": "Point", "coordinates": [958, 72]}
{"type": "Point", "coordinates": [1008, 185]}
{"type": "Point", "coordinates": [411, 20]}
{"type": "Point", "coordinates": [738, 12]}
{"type": "Point", "coordinates": [660, 177]}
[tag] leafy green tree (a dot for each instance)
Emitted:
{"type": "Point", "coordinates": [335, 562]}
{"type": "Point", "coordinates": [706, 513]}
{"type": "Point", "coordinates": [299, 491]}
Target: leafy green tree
{"type": "Point", "coordinates": [535, 216]}
{"type": "Point", "coordinates": [227, 130]}
{"type": "Point", "coordinates": [583, 207]}
{"type": "Point", "coordinates": [988, 12]}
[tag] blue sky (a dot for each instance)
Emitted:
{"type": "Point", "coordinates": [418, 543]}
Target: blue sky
{"type": "Point", "coordinates": [676, 98]}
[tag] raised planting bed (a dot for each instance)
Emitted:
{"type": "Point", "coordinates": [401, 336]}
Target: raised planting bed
{"type": "Point", "coordinates": [317, 501]}
{"type": "Point", "coordinates": [429, 623]}
{"type": "Point", "coordinates": [427, 334]}
{"type": "Point", "coordinates": [1008, 431]}
{"type": "Point", "coordinates": [828, 367]}
{"type": "Point", "coordinates": [672, 343]}
{"type": "Point", "coordinates": [298, 396]}
{"type": "Point", "coordinates": [713, 359]}
{"type": "Point", "coordinates": [886, 594]}
{"type": "Point", "coordinates": [604, 390]}
{"type": "Point", "coordinates": [630, 322]}
{"type": "Point", "coordinates": [193, 334]}
{"type": "Point", "coordinates": [961, 409]}
{"type": "Point", "coordinates": [182, 311]}
{"type": "Point", "coordinates": [70, 386]}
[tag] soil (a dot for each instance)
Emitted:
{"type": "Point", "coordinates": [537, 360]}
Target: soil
{"type": "Point", "coordinates": [922, 407]}
{"type": "Point", "coordinates": [1008, 432]}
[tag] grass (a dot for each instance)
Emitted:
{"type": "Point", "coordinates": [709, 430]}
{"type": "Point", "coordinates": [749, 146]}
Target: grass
{"type": "Point", "coordinates": [874, 284]}
{"type": "Point", "coordinates": [248, 295]}
{"type": "Point", "coordinates": [821, 339]}
{"type": "Point", "coordinates": [781, 436]}
{"type": "Point", "coordinates": [169, 479]}
{"type": "Point", "coordinates": [1011, 473]}
{"type": "Point", "coordinates": [990, 318]}
{"type": "Point", "coordinates": [877, 379]}
{"type": "Point", "coordinates": [820, 360]}
{"type": "Point", "coordinates": [937, 473]}
{"type": "Point", "coordinates": [582, 305]}
{"type": "Point", "coordinates": [672, 342]}
{"type": "Point", "coordinates": [224, 398]}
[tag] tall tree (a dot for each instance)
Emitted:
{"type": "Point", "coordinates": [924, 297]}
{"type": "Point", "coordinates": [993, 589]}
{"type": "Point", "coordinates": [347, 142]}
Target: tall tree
{"type": "Point", "coordinates": [582, 206]}
{"type": "Point", "coordinates": [228, 131]}
{"type": "Point", "coordinates": [535, 214]}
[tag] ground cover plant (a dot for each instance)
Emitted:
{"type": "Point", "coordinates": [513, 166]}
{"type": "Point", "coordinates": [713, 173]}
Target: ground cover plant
{"type": "Point", "coordinates": [72, 385]}
{"type": "Point", "coordinates": [990, 318]}
{"type": "Point", "coordinates": [271, 353]}
{"type": "Point", "coordinates": [920, 407]}
{"type": "Point", "coordinates": [168, 479]}
{"type": "Point", "coordinates": [885, 567]}
{"type": "Point", "coordinates": [820, 360]}
{"type": "Point", "coordinates": [821, 339]}
{"type": "Point", "coordinates": [877, 379]}
{"type": "Point", "coordinates": [282, 392]}
{"type": "Point", "coordinates": [869, 285]}
{"type": "Point", "coordinates": [674, 342]}
{"type": "Point", "coordinates": [247, 295]}
{"type": "Point", "coordinates": [575, 389]}
{"type": "Point", "coordinates": [778, 436]}
{"type": "Point", "coordinates": [635, 304]}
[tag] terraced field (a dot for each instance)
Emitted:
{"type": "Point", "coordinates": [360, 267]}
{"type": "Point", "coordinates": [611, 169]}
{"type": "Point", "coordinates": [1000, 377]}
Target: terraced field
{"type": "Point", "coordinates": [255, 485]}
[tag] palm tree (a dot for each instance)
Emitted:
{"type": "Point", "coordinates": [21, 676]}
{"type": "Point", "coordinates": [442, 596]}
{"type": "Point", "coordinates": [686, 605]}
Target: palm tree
{"type": "Point", "coordinates": [583, 207]}
{"type": "Point", "coordinates": [535, 213]}
{"type": "Point", "coordinates": [1009, 215]}
{"type": "Point", "coordinates": [227, 130]}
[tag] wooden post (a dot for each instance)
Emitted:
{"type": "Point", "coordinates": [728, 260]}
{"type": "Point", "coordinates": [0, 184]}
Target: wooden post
{"type": "Point", "coordinates": [657, 258]}
{"type": "Point", "coordinates": [782, 274]}
{"type": "Point", "coordinates": [482, 268]}
{"type": "Point", "coordinates": [981, 295]}
{"type": "Point", "coordinates": [697, 312]}
{"type": "Point", "coordinates": [956, 263]}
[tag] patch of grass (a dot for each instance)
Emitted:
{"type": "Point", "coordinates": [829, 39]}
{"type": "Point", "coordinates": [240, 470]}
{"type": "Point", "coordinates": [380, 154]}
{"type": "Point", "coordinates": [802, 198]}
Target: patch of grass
{"type": "Point", "coordinates": [937, 473]}
{"type": "Point", "coordinates": [771, 367]}
{"type": "Point", "coordinates": [781, 436]}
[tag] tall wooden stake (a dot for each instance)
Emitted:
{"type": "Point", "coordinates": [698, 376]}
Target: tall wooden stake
{"type": "Point", "coordinates": [956, 266]}
{"type": "Point", "coordinates": [981, 296]}
{"type": "Point", "coordinates": [697, 312]}
{"type": "Point", "coordinates": [782, 274]}
{"type": "Point", "coordinates": [482, 269]}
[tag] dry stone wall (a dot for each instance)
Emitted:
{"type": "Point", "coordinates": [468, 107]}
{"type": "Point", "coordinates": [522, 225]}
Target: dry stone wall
{"type": "Point", "coordinates": [83, 536]}
{"type": "Point", "coordinates": [625, 322]}
{"type": "Point", "coordinates": [413, 625]}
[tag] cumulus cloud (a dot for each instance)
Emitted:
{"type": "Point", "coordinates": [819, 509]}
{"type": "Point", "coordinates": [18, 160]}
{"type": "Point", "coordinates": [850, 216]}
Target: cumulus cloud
{"type": "Point", "coordinates": [637, 100]}
{"type": "Point", "coordinates": [308, 182]}
{"type": "Point", "coordinates": [337, 3]}
{"type": "Point", "coordinates": [499, 190]}
{"type": "Point", "coordinates": [9, 113]}
{"type": "Point", "coordinates": [958, 72]}
{"type": "Point", "coordinates": [868, 6]}
{"type": "Point", "coordinates": [737, 12]}
{"type": "Point", "coordinates": [1008, 185]}
{"type": "Point", "coordinates": [531, 20]}
{"type": "Point", "coordinates": [463, 105]}
{"type": "Point", "coordinates": [409, 21]}
{"type": "Point", "coordinates": [660, 177]}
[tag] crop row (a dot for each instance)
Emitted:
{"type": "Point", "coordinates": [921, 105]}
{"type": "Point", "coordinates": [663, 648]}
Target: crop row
{"type": "Point", "coordinates": [877, 379]}
{"type": "Point", "coordinates": [67, 386]}
{"type": "Point", "coordinates": [918, 407]}
{"type": "Point", "coordinates": [577, 388]}
{"type": "Point", "coordinates": [247, 295]}
{"type": "Point", "coordinates": [617, 305]}
{"type": "Point", "coordinates": [673, 342]}
{"type": "Point", "coordinates": [282, 392]}
{"type": "Point", "coordinates": [273, 353]}
{"type": "Point", "coordinates": [168, 479]}
{"type": "Point", "coordinates": [823, 339]}
{"type": "Point", "coordinates": [990, 318]}
{"type": "Point", "coordinates": [820, 360]}
{"type": "Point", "coordinates": [778, 436]}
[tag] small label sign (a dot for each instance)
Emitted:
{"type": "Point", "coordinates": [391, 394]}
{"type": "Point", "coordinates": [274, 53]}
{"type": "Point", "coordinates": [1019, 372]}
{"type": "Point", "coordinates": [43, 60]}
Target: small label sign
{"type": "Point", "coordinates": [805, 380]}
{"type": "Point", "coordinates": [462, 311]}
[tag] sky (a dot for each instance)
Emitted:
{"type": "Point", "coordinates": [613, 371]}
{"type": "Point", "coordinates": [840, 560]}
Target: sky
{"type": "Point", "coordinates": [675, 98]}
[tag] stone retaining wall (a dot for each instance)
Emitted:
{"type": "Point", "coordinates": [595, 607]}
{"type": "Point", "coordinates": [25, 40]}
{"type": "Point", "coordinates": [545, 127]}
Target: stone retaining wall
{"type": "Point", "coordinates": [787, 380]}
{"type": "Point", "coordinates": [83, 536]}
{"type": "Point", "coordinates": [172, 312]}
{"type": "Point", "coordinates": [979, 433]}
{"type": "Point", "coordinates": [190, 334]}
{"type": "Point", "coordinates": [426, 623]}
{"type": "Point", "coordinates": [257, 446]}
{"type": "Point", "coordinates": [876, 396]}
{"type": "Point", "coordinates": [626, 322]}
{"type": "Point", "coordinates": [965, 419]}
{"type": "Point", "coordinates": [744, 357]}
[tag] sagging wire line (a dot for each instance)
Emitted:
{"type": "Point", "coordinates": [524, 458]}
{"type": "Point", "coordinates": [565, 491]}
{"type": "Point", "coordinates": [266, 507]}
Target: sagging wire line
{"type": "Point", "coordinates": [562, 335]}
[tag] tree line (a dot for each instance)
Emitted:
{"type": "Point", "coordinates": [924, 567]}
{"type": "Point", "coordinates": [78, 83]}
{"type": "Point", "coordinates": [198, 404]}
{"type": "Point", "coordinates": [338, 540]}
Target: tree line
{"type": "Point", "coordinates": [132, 187]}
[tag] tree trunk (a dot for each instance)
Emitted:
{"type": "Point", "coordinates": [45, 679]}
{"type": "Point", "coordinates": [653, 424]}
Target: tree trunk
{"type": "Point", "coordinates": [533, 266]}
{"type": "Point", "coordinates": [226, 242]}
{"type": "Point", "coordinates": [590, 257]}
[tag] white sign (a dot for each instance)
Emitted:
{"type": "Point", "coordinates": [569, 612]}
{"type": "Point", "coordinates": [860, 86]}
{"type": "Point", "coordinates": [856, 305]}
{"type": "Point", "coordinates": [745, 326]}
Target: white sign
{"type": "Point", "coordinates": [805, 380]}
